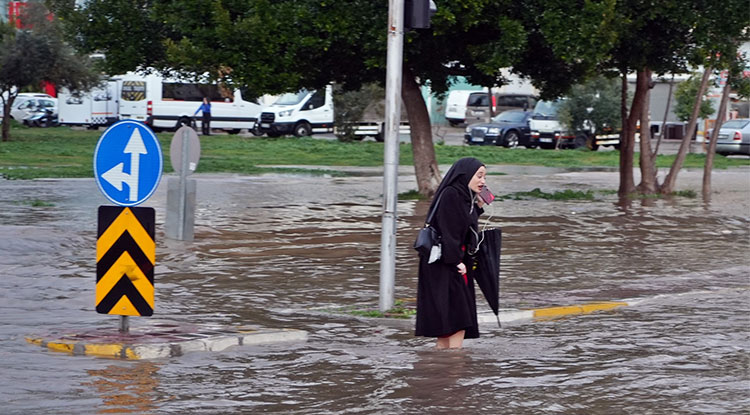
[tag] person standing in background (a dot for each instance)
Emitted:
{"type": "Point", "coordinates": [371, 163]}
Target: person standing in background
{"type": "Point", "coordinates": [205, 109]}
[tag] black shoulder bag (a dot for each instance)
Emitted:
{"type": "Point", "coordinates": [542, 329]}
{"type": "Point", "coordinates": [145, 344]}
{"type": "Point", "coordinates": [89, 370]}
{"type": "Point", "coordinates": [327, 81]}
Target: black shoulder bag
{"type": "Point", "coordinates": [428, 236]}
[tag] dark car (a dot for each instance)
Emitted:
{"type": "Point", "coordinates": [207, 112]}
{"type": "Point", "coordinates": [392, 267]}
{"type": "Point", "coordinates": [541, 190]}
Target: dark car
{"type": "Point", "coordinates": [509, 129]}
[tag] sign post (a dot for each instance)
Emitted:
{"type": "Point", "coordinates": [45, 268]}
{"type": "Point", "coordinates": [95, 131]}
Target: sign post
{"type": "Point", "coordinates": [127, 169]}
{"type": "Point", "coordinates": [184, 154]}
{"type": "Point", "coordinates": [394, 63]}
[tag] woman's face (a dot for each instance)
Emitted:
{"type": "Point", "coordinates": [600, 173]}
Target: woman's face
{"type": "Point", "coordinates": [478, 181]}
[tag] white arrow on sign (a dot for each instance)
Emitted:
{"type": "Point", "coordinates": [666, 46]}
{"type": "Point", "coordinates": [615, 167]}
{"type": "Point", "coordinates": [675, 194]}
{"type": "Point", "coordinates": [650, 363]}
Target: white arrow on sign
{"type": "Point", "coordinates": [116, 177]}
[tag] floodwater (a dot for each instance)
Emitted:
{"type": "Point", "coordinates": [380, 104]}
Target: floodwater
{"type": "Point", "coordinates": [269, 247]}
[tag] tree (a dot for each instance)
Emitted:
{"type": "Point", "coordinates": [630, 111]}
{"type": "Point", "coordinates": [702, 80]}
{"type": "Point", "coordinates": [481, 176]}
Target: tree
{"type": "Point", "coordinates": [30, 56]}
{"type": "Point", "coordinates": [651, 37]}
{"type": "Point", "coordinates": [685, 95]}
{"type": "Point", "coordinates": [596, 103]}
{"type": "Point", "coordinates": [278, 46]}
{"type": "Point", "coordinates": [717, 34]}
{"type": "Point", "coordinates": [659, 38]}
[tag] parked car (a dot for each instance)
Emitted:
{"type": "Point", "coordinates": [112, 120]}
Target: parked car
{"type": "Point", "coordinates": [26, 103]}
{"type": "Point", "coordinates": [509, 129]}
{"type": "Point", "coordinates": [734, 137]}
{"type": "Point", "coordinates": [477, 108]}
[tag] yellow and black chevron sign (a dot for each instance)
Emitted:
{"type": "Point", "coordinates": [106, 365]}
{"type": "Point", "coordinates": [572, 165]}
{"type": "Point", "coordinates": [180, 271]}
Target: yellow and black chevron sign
{"type": "Point", "coordinates": [125, 258]}
{"type": "Point", "coordinates": [133, 91]}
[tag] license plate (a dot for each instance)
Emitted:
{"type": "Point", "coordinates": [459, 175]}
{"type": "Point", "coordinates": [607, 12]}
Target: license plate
{"type": "Point", "coordinates": [265, 125]}
{"type": "Point", "coordinates": [477, 139]}
{"type": "Point", "coordinates": [545, 140]}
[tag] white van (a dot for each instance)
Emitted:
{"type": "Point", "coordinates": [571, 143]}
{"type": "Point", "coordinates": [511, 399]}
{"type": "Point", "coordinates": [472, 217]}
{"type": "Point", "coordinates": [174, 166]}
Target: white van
{"type": "Point", "coordinates": [300, 113]}
{"type": "Point", "coordinates": [97, 107]}
{"type": "Point", "coordinates": [164, 103]}
{"type": "Point", "coordinates": [455, 106]}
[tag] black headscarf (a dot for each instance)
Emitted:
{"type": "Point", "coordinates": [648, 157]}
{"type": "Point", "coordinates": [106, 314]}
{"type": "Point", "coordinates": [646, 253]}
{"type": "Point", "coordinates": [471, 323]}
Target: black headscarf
{"type": "Point", "coordinates": [459, 176]}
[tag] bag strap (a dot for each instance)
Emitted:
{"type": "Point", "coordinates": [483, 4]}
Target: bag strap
{"type": "Point", "coordinates": [434, 208]}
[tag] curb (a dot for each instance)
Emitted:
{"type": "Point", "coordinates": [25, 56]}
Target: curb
{"type": "Point", "coordinates": [175, 345]}
{"type": "Point", "coordinates": [550, 313]}
{"type": "Point", "coordinates": [504, 315]}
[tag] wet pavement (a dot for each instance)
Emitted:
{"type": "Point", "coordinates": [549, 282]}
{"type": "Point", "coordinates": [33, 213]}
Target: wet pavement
{"type": "Point", "coordinates": [268, 248]}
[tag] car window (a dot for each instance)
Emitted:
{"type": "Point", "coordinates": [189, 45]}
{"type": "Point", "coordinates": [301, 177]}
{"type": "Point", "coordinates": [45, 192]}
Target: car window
{"type": "Point", "coordinates": [291, 98]}
{"type": "Point", "coordinates": [48, 103]}
{"type": "Point", "coordinates": [18, 102]}
{"type": "Point", "coordinates": [546, 108]}
{"type": "Point", "coordinates": [133, 91]}
{"type": "Point", "coordinates": [739, 124]}
{"type": "Point", "coordinates": [29, 103]}
{"type": "Point", "coordinates": [316, 101]}
{"type": "Point", "coordinates": [510, 116]}
{"type": "Point", "coordinates": [507, 101]}
{"type": "Point", "coordinates": [478, 100]}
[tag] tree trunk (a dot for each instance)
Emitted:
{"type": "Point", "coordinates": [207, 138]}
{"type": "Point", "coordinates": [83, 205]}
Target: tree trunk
{"type": "Point", "coordinates": [423, 150]}
{"type": "Point", "coordinates": [627, 140]}
{"type": "Point", "coordinates": [649, 184]}
{"type": "Point", "coordinates": [669, 182]}
{"type": "Point", "coordinates": [712, 144]}
{"type": "Point", "coordinates": [6, 117]}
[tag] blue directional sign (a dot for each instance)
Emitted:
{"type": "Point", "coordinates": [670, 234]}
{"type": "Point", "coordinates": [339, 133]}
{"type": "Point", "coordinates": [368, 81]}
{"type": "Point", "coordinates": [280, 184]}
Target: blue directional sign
{"type": "Point", "coordinates": [128, 163]}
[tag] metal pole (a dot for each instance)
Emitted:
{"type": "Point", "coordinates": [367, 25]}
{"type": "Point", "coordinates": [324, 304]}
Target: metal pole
{"type": "Point", "coordinates": [390, 167]}
{"type": "Point", "coordinates": [124, 325]}
{"type": "Point", "coordinates": [183, 184]}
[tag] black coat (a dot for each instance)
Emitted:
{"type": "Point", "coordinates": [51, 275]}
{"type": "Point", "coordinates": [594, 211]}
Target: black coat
{"type": "Point", "coordinates": [446, 302]}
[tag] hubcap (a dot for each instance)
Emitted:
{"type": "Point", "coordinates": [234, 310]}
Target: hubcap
{"type": "Point", "coordinates": [512, 140]}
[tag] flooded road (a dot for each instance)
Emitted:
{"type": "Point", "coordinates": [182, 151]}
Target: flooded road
{"type": "Point", "coordinates": [268, 248]}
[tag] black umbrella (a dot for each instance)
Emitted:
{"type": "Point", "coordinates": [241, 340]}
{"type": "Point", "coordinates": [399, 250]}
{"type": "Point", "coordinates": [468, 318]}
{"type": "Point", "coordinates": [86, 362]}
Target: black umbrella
{"type": "Point", "coordinates": [487, 273]}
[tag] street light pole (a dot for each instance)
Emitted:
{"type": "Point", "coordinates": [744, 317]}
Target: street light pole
{"type": "Point", "coordinates": [390, 168]}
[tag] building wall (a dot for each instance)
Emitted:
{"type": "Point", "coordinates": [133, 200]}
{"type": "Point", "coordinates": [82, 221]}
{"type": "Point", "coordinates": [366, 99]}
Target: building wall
{"type": "Point", "coordinates": [4, 9]}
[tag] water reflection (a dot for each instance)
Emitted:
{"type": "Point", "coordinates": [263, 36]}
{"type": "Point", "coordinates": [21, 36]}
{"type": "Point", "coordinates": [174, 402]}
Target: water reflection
{"type": "Point", "coordinates": [126, 389]}
{"type": "Point", "coordinates": [434, 383]}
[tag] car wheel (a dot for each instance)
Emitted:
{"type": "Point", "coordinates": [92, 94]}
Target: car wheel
{"type": "Point", "coordinates": [511, 139]}
{"type": "Point", "coordinates": [184, 121]}
{"type": "Point", "coordinates": [234, 131]}
{"type": "Point", "coordinates": [302, 129]}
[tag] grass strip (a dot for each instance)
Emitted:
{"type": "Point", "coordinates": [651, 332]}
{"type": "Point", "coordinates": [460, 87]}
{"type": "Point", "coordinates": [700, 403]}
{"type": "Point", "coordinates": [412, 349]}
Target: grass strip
{"type": "Point", "coordinates": [64, 152]}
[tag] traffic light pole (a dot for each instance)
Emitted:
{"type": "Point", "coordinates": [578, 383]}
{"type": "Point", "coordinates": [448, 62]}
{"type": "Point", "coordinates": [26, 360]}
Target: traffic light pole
{"type": "Point", "coordinates": [394, 63]}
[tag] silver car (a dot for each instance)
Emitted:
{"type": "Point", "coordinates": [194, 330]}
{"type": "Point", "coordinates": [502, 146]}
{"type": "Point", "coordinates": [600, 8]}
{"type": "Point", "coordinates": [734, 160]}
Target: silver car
{"type": "Point", "coordinates": [734, 137]}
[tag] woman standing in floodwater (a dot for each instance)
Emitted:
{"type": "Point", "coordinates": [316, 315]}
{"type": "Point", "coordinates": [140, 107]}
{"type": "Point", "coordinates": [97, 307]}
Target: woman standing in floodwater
{"type": "Point", "coordinates": [446, 302]}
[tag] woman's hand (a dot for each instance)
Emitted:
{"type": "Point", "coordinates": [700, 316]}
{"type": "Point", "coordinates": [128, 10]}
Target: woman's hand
{"type": "Point", "coordinates": [461, 268]}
